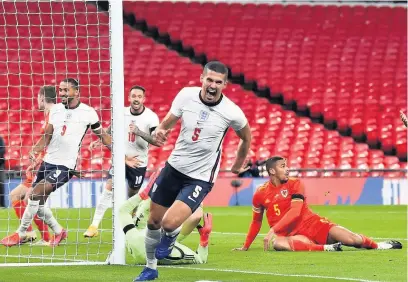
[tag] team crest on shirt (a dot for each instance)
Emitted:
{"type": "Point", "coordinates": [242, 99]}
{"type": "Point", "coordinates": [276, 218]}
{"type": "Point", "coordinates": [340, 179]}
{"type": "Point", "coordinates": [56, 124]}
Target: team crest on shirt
{"type": "Point", "coordinates": [204, 115]}
{"type": "Point", "coordinates": [284, 193]}
{"type": "Point", "coordinates": [68, 116]}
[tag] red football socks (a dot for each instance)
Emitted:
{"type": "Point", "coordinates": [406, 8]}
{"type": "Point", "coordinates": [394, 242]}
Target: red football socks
{"type": "Point", "coordinates": [368, 243]}
{"type": "Point", "coordinates": [297, 246]}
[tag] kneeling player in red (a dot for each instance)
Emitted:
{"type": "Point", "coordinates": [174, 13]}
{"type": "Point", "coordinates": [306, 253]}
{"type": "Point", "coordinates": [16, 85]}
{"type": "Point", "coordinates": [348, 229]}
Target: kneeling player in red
{"type": "Point", "coordinates": [293, 225]}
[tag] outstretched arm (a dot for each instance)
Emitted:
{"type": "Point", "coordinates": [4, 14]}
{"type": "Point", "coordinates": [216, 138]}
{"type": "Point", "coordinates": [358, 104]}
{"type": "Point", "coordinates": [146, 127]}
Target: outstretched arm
{"type": "Point", "coordinates": [126, 210]}
{"type": "Point", "coordinates": [256, 223]}
{"type": "Point", "coordinates": [168, 122]}
{"type": "Point", "coordinates": [163, 130]}
{"type": "Point", "coordinates": [254, 228]}
{"type": "Point", "coordinates": [136, 201]}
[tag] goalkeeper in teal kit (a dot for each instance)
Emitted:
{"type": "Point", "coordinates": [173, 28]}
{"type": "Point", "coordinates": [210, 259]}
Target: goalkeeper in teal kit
{"type": "Point", "coordinates": [135, 231]}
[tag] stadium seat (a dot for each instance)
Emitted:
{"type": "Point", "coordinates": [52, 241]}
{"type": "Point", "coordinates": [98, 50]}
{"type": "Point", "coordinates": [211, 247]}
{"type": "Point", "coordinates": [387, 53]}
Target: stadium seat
{"type": "Point", "coordinates": [163, 73]}
{"type": "Point", "coordinates": [329, 59]}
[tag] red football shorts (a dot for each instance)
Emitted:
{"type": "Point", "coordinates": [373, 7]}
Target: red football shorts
{"type": "Point", "coordinates": [316, 229]}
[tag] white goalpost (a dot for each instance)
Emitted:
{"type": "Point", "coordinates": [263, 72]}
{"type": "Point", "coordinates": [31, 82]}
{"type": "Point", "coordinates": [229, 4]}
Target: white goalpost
{"type": "Point", "coordinates": [42, 43]}
{"type": "Point", "coordinates": [118, 129]}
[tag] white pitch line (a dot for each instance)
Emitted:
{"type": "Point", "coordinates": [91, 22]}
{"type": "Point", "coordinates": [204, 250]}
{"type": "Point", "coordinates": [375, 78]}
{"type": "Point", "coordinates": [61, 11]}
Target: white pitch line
{"type": "Point", "coordinates": [66, 261]}
{"type": "Point", "coordinates": [261, 234]}
{"type": "Point", "coordinates": [272, 273]}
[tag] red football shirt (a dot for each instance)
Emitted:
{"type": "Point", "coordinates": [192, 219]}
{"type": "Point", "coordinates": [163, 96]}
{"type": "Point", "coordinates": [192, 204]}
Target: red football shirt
{"type": "Point", "coordinates": [277, 200]}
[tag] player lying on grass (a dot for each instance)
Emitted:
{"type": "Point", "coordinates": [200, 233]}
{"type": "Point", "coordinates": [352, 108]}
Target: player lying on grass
{"type": "Point", "coordinates": [19, 195]}
{"type": "Point", "coordinates": [135, 230]}
{"type": "Point", "coordinates": [293, 226]}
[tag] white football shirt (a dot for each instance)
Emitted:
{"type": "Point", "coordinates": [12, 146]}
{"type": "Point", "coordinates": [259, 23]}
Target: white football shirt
{"type": "Point", "coordinates": [136, 145]}
{"type": "Point", "coordinates": [197, 152]}
{"type": "Point", "coordinates": [70, 127]}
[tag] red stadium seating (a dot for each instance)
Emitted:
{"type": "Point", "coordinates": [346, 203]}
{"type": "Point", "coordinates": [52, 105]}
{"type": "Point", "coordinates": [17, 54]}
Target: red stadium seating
{"type": "Point", "coordinates": [163, 73]}
{"type": "Point", "coordinates": [346, 62]}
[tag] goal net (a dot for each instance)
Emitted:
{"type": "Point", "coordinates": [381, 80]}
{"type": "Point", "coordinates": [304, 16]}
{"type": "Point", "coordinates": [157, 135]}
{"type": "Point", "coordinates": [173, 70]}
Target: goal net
{"type": "Point", "coordinates": [42, 43]}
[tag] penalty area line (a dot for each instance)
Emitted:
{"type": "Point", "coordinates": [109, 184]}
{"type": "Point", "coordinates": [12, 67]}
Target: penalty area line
{"type": "Point", "coordinates": [271, 273]}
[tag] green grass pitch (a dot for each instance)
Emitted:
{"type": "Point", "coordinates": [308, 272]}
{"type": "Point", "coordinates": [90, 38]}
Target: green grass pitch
{"type": "Point", "coordinates": [230, 225]}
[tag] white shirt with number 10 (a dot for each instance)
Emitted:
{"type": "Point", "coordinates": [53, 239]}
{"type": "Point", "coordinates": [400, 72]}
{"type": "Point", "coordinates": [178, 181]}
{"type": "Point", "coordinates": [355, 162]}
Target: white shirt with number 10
{"type": "Point", "coordinates": [197, 152]}
{"type": "Point", "coordinates": [136, 145]}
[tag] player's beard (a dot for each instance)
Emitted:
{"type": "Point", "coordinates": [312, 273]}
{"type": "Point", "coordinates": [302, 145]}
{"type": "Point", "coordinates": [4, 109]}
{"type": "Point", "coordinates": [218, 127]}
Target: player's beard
{"type": "Point", "coordinates": [67, 101]}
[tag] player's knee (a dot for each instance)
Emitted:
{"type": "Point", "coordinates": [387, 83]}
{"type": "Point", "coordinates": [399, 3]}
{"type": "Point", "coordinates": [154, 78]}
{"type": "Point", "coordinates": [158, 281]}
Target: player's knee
{"type": "Point", "coordinates": [354, 240]}
{"type": "Point", "coordinates": [170, 224]}
{"type": "Point", "coordinates": [153, 226]}
{"type": "Point", "coordinates": [281, 244]}
{"type": "Point", "coordinates": [15, 196]}
{"type": "Point", "coordinates": [153, 223]}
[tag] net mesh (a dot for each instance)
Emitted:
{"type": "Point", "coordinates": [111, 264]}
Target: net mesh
{"type": "Point", "coordinates": [42, 43]}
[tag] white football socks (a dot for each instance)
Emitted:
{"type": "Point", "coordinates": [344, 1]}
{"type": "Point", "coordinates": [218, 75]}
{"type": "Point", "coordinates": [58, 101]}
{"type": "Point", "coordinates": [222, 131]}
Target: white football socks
{"type": "Point", "coordinates": [46, 215]}
{"type": "Point", "coordinates": [29, 213]}
{"type": "Point", "coordinates": [151, 241]}
{"type": "Point", "coordinates": [104, 203]}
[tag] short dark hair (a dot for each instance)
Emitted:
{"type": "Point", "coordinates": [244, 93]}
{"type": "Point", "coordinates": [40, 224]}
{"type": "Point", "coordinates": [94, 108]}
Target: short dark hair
{"type": "Point", "coordinates": [74, 82]}
{"type": "Point", "coordinates": [217, 67]}
{"type": "Point", "coordinates": [137, 87]}
{"type": "Point", "coordinates": [271, 162]}
{"type": "Point", "coordinates": [49, 93]}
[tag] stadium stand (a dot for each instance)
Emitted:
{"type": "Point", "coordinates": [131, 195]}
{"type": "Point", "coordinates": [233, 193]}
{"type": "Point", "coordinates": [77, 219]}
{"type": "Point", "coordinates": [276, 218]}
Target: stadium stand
{"type": "Point", "coordinates": [342, 65]}
{"type": "Point", "coordinates": [275, 63]}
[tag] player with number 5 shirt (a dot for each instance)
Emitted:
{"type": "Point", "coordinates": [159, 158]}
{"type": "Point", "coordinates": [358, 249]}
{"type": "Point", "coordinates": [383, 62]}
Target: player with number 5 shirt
{"type": "Point", "coordinates": [189, 174]}
{"type": "Point", "coordinates": [293, 225]}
